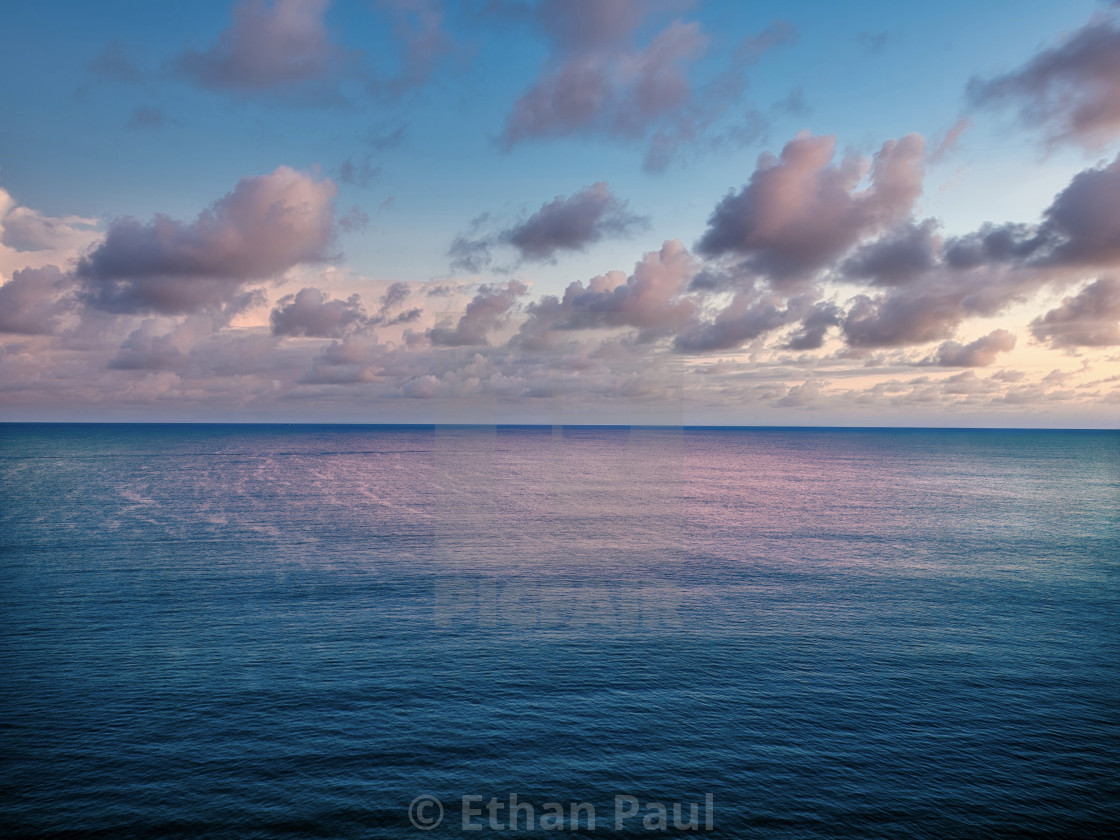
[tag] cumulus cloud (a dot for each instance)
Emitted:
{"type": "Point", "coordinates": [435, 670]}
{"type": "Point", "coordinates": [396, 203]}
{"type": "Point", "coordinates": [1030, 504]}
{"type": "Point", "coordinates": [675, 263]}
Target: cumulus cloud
{"type": "Point", "coordinates": [313, 314]}
{"type": "Point", "coordinates": [282, 45]}
{"type": "Point", "coordinates": [147, 348]}
{"type": "Point", "coordinates": [815, 325]}
{"type": "Point", "coordinates": [1091, 318]}
{"type": "Point", "coordinates": [903, 255]}
{"type": "Point", "coordinates": [650, 300]}
{"type": "Point", "coordinates": [599, 81]}
{"type": "Point", "coordinates": [573, 223]}
{"type": "Point", "coordinates": [1071, 90]}
{"type": "Point", "coordinates": [799, 212]}
{"type": "Point", "coordinates": [25, 229]}
{"type": "Point", "coordinates": [1085, 218]}
{"type": "Point", "coordinates": [1080, 229]}
{"type": "Point", "coordinates": [33, 301]}
{"type": "Point", "coordinates": [978, 353]}
{"type": "Point", "coordinates": [266, 225]}
{"type": "Point", "coordinates": [488, 310]}
{"type": "Point", "coordinates": [569, 223]}
{"type": "Point", "coordinates": [900, 319]}
{"type": "Point", "coordinates": [745, 318]}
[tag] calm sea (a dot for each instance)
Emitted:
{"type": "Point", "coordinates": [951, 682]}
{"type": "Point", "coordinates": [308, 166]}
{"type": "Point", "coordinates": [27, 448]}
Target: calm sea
{"type": "Point", "coordinates": [270, 631]}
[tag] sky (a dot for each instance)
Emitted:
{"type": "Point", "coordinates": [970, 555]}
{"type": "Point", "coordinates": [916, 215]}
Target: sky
{"type": "Point", "coordinates": [565, 211]}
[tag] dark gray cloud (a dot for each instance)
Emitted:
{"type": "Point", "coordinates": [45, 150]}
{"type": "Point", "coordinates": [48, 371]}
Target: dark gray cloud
{"type": "Point", "coordinates": [489, 310]}
{"type": "Point", "coordinates": [1071, 91]}
{"type": "Point", "coordinates": [978, 353]}
{"type": "Point", "coordinates": [902, 256]}
{"type": "Point", "coordinates": [1006, 244]}
{"type": "Point", "coordinates": [573, 223]}
{"type": "Point", "coordinates": [937, 285]}
{"type": "Point", "coordinates": [569, 223]}
{"type": "Point", "coordinates": [815, 326]}
{"type": "Point", "coordinates": [744, 319]}
{"type": "Point", "coordinates": [33, 301]}
{"type": "Point", "coordinates": [274, 46]}
{"type": "Point", "coordinates": [1091, 318]}
{"type": "Point", "coordinates": [313, 314]}
{"type": "Point", "coordinates": [394, 296]}
{"type": "Point", "coordinates": [1085, 218]}
{"type": "Point", "coordinates": [268, 224]}
{"type": "Point", "coordinates": [800, 212]}
{"type": "Point", "coordinates": [1080, 228]}
{"type": "Point", "coordinates": [903, 318]}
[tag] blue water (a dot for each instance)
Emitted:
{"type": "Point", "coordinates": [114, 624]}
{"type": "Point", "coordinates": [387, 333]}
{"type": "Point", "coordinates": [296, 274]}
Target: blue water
{"type": "Point", "coordinates": [269, 631]}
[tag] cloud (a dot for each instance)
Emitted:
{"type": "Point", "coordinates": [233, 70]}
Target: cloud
{"type": "Point", "coordinates": [979, 353]}
{"type": "Point", "coordinates": [147, 116]}
{"type": "Point", "coordinates": [949, 140]}
{"type": "Point", "coordinates": [274, 46]}
{"type": "Point", "coordinates": [815, 326]}
{"type": "Point", "coordinates": [900, 319]}
{"type": "Point", "coordinates": [902, 256]}
{"type": "Point", "coordinates": [573, 223]}
{"type": "Point", "coordinates": [24, 229]}
{"type": "Point", "coordinates": [1080, 228]}
{"type": "Point", "coordinates": [312, 314]}
{"type": "Point", "coordinates": [488, 310]}
{"type": "Point", "coordinates": [563, 224]}
{"type": "Point", "coordinates": [800, 212]}
{"type": "Point", "coordinates": [696, 126]}
{"type": "Point", "coordinates": [358, 173]}
{"type": "Point", "coordinates": [1085, 218]}
{"type": "Point", "coordinates": [265, 226]}
{"type": "Point", "coordinates": [599, 81]}
{"type": "Point", "coordinates": [745, 318]}
{"type": "Point", "coordinates": [33, 301]}
{"type": "Point", "coordinates": [418, 31]}
{"type": "Point", "coordinates": [591, 92]}
{"type": "Point", "coordinates": [650, 300]}
{"type": "Point", "coordinates": [148, 349]}
{"type": "Point", "coordinates": [113, 64]}
{"type": "Point", "coordinates": [1071, 91]}
{"type": "Point", "coordinates": [1091, 318]}
{"type": "Point", "coordinates": [394, 296]}
{"type": "Point", "coordinates": [872, 41]}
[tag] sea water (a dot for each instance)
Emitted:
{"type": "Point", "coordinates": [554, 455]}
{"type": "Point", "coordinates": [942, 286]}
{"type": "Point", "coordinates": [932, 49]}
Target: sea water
{"type": "Point", "coordinates": [390, 632]}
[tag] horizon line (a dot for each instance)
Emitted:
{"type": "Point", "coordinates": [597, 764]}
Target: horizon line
{"type": "Point", "coordinates": [683, 427]}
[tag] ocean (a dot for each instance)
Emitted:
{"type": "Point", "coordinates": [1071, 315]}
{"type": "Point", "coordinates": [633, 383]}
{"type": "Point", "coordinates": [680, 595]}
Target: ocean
{"type": "Point", "coordinates": [415, 631]}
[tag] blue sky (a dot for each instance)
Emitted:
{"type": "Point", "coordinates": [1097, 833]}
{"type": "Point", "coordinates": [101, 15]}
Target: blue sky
{"type": "Point", "coordinates": [434, 122]}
